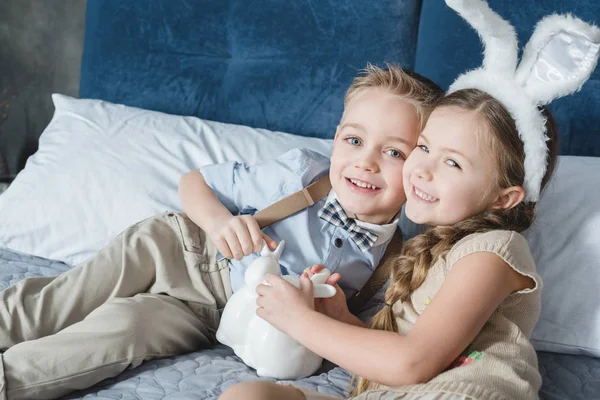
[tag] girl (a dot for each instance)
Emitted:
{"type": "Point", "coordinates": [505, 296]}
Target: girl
{"type": "Point", "coordinates": [464, 297]}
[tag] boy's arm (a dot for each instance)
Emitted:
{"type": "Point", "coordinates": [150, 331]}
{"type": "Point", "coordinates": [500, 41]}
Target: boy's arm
{"type": "Point", "coordinates": [221, 198]}
{"type": "Point", "coordinates": [201, 204]}
{"type": "Point", "coordinates": [234, 236]}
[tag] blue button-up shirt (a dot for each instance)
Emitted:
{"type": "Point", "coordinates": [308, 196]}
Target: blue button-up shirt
{"type": "Point", "coordinates": [309, 240]}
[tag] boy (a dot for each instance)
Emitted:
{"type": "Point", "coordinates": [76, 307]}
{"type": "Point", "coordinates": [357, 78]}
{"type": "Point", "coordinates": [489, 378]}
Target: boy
{"type": "Point", "coordinates": [383, 112]}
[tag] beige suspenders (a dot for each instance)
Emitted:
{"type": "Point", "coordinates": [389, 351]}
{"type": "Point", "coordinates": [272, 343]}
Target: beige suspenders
{"type": "Point", "coordinates": [380, 276]}
{"type": "Point", "coordinates": [294, 202]}
{"type": "Point", "coordinates": [307, 197]}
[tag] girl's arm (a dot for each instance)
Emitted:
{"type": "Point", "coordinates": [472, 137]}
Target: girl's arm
{"type": "Point", "coordinates": [474, 288]}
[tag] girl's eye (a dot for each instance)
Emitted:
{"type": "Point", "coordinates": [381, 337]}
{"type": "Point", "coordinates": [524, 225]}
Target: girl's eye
{"type": "Point", "coordinates": [423, 147]}
{"type": "Point", "coordinates": [395, 153]}
{"type": "Point", "coordinates": [354, 141]}
{"type": "Point", "coordinates": [452, 163]}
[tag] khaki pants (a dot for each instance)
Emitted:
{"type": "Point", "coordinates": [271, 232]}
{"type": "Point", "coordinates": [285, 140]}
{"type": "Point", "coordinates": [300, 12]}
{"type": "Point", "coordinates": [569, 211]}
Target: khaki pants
{"type": "Point", "coordinates": [157, 290]}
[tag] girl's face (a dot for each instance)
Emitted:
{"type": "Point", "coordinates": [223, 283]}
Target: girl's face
{"type": "Point", "coordinates": [452, 174]}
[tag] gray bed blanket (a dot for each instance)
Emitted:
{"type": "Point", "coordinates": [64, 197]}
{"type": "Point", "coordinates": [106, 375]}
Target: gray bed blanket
{"type": "Point", "coordinates": [205, 374]}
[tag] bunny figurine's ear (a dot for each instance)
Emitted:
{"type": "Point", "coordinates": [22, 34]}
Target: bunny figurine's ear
{"type": "Point", "coordinates": [559, 58]}
{"type": "Point", "coordinates": [279, 249]}
{"type": "Point", "coordinates": [323, 291]}
{"type": "Point", "coordinates": [266, 252]}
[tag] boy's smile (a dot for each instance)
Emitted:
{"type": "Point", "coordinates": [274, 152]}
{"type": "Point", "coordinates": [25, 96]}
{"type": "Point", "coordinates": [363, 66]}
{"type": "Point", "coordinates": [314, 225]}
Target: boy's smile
{"type": "Point", "coordinates": [362, 185]}
{"type": "Point", "coordinates": [362, 188]}
{"type": "Point", "coordinates": [377, 132]}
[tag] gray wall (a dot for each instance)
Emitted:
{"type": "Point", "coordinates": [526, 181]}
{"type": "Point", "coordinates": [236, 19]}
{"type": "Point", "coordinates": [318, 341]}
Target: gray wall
{"type": "Point", "coordinates": [41, 43]}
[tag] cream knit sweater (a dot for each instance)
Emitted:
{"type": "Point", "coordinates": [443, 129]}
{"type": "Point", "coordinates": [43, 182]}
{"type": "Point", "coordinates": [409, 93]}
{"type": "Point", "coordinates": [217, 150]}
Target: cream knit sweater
{"type": "Point", "coordinates": [501, 362]}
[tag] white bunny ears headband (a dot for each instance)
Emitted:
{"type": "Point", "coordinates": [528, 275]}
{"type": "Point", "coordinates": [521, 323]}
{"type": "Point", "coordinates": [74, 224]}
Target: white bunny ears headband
{"type": "Point", "coordinates": [558, 59]}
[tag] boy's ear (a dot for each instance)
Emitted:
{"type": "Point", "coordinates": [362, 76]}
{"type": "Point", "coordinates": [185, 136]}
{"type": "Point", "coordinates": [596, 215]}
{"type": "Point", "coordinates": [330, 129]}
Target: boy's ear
{"type": "Point", "coordinates": [509, 198]}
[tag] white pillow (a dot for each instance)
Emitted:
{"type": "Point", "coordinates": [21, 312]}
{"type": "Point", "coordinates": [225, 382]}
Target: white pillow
{"type": "Point", "coordinates": [101, 167]}
{"type": "Point", "coordinates": [565, 243]}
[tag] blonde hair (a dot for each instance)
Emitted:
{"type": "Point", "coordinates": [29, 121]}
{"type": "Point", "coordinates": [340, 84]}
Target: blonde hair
{"type": "Point", "coordinates": [421, 252]}
{"type": "Point", "coordinates": [415, 89]}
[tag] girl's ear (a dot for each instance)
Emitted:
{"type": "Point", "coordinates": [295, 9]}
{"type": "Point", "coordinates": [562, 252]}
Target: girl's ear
{"type": "Point", "coordinates": [509, 198]}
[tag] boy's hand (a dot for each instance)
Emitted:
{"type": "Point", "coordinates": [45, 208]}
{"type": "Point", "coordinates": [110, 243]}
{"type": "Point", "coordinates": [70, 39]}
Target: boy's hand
{"type": "Point", "coordinates": [334, 307]}
{"type": "Point", "coordinates": [240, 236]}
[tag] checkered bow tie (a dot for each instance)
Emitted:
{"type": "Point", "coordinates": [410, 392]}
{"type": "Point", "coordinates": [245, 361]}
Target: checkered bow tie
{"type": "Point", "coordinates": [333, 213]}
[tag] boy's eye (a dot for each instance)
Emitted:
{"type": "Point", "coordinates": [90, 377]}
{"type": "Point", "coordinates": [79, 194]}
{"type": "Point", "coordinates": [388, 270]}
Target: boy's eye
{"type": "Point", "coordinates": [395, 153]}
{"type": "Point", "coordinates": [354, 141]}
{"type": "Point", "coordinates": [423, 147]}
{"type": "Point", "coordinates": [452, 163]}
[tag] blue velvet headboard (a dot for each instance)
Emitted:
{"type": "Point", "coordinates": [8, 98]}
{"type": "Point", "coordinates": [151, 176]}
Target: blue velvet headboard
{"type": "Point", "coordinates": [284, 65]}
{"type": "Point", "coordinates": [276, 64]}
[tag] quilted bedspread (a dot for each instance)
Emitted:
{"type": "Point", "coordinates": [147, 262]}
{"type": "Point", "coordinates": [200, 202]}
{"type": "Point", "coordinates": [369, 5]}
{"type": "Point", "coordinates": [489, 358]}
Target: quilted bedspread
{"type": "Point", "coordinates": [205, 374]}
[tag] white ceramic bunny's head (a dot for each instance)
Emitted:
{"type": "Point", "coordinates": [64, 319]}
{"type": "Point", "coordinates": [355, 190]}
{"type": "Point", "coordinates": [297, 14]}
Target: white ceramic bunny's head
{"type": "Point", "coordinates": [267, 263]}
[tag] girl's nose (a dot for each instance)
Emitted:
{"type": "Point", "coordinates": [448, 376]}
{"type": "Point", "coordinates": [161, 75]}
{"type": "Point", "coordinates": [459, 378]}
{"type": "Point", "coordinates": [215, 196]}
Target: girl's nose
{"type": "Point", "coordinates": [423, 172]}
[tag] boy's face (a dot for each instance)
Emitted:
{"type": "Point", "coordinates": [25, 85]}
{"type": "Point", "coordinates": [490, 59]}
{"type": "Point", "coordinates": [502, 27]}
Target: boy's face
{"type": "Point", "coordinates": [376, 134]}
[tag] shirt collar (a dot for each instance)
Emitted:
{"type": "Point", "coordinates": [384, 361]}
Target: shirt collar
{"type": "Point", "coordinates": [384, 232]}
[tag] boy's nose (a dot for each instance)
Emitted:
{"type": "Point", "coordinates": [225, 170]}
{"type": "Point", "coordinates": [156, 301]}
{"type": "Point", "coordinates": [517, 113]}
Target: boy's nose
{"type": "Point", "coordinates": [368, 164]}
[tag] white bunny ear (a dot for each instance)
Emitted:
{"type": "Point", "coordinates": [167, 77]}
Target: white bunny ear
{"type": "Point", "coordinates": [279, 249]}
{"type": "Point", "coordinates": [323, 291]}
{"type": "Point", "coordinates": [498, 36]}
{"type": "Point", "coordinates": [558, 59]}
{"type": "Point", "coordinates": [266, 251]}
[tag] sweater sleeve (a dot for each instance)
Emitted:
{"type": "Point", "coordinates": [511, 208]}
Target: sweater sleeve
{"type": "Point", "coordinates": [510, 246]}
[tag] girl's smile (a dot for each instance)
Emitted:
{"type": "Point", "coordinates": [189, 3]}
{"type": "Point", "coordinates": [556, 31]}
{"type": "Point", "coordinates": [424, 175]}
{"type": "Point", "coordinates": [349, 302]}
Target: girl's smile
{"type": "Point", "coordinates": [421, 195]}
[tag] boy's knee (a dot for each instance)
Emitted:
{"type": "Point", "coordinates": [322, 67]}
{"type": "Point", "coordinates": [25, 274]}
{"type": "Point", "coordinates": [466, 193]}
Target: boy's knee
{"type": "Point", "coordinates": [261, 390]}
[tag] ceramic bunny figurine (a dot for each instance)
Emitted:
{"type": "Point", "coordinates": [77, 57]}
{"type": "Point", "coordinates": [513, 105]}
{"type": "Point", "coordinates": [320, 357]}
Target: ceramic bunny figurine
{"type": "Point", "coordinates": [261, 346]}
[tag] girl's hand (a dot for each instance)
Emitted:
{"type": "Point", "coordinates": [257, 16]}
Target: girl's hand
{"type": "Point", "coordinates": [334, 307]}
{"type": "Point", "coordinates": [282, 304]}
{"type": "Point", "coordinates": [239, 236]}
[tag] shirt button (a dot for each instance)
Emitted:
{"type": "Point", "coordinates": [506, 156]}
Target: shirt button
{"type": "Point", "coordinates": [338, 242]}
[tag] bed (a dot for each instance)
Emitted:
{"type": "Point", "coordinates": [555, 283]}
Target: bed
{"type": "Point", "coordinates": [205, 374]}
{"type": "Point", "coordinates": [168, 86]}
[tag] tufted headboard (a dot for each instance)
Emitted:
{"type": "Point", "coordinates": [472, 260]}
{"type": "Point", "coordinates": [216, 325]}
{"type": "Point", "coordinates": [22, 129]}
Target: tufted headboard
{"type": "Point", "coordinates": [280, 65]}
{"type": "Point", "coordinates": [284, 65]}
